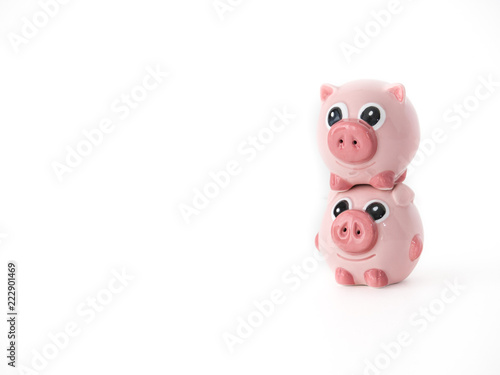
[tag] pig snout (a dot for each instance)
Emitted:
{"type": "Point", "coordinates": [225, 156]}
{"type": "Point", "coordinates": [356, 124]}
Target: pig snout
{"type": "Point", "coordinates": [354, 231]}
{"type": "Point", "coordinates": [352, 141]}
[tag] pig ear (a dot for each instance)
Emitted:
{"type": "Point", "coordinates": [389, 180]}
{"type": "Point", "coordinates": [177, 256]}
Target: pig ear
{"type": "Point", "coordinates": [398, 90]}
{"type": "Point", "coordinates": [327, 90]}
{"type": "Point", "coordinates": [403, 195]}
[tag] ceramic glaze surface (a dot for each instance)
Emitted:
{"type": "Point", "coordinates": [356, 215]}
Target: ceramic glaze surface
{"type": "Point", "coordinates": [368, 133]}
{"type": "Point", "coordinates": [370, 236]}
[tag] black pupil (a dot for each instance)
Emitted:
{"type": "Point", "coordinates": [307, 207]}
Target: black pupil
{"type": "Point", "coordinates": [371, 115]}
{"type": "Point", "coordinates": [334, 115]}
{"type": "Point", "coordinates": [340, 207]}
{"type": "Point", "coordinates": [376, 211]}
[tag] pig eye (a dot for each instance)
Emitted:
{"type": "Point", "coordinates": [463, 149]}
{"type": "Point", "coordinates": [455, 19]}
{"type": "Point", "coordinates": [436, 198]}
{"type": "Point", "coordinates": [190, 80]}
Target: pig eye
{"type": "Point", "coordinates": [373, 115]}
{"type": "Point", "coordinates": [336, 113]}
{"type": "Point", "coordinates": [379, 211]}
{"type": "Point", "coordinates": [341, 206]}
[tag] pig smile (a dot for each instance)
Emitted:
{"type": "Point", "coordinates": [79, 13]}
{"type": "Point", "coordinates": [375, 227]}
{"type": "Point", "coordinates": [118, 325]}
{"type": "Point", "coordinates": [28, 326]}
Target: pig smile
{"type": "Point", "coordinates": [356, 169]}
{"type": "Point", "coordinates": [356, 260]}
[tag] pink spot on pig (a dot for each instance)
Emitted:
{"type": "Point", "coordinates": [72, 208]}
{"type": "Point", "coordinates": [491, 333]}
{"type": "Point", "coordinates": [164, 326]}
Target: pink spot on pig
{"type": "Point", "coordinates": [416, 247]}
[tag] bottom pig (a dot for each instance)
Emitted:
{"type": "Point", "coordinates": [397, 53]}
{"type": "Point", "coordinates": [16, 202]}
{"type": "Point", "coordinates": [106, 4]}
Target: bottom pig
{"type": "Point", "coordinates": [371, 237]}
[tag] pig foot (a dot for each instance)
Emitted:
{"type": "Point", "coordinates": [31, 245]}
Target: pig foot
{"type": "Point", "coordinates": [416, 247]}
{"type": "Point", "coordinates": [316, 241]}
{"type": "Point", "coordinates": [343, 277]}
{"type": "Point", "coordinates": [383, 181]}
{"type": "Point", "coordinates": [376, 278]}
{"type": "Point", "coordinates": [402, 177]}
{"type": "Point", "coordinates": [339, 184]}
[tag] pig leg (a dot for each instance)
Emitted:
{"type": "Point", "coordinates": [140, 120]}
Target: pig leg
{"type": "Point", "coordinates": [376, 278]}
{"type": "Point", "coordinates": [416, 247]}
{"type": "Point", "coordinates": [383, 181]}
{"type": "Point", "coordinates": [343, 277]}
{"type": "Point", "coordinates": [339, 184]}
{"type": "Point", "coordinates": [402, 177]}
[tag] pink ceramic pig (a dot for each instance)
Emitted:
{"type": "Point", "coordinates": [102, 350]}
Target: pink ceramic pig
{"type": "Point", "coordinates": [368, 133]}
{"type": "Point", "coordinates": [371, 237]}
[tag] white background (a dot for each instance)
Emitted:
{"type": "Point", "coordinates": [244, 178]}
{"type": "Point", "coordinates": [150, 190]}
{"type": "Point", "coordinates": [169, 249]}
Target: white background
{"type": "Point", "coordinates": [119, 208]}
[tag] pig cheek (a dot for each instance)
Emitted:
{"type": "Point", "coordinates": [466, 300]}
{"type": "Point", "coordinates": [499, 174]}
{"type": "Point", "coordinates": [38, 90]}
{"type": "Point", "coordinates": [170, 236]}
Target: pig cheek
{"type": "Point", "coordinates": [332, 231]}
{"type": "Point", "coordinates": [323, 131]}
{"type": "Point", "coordinates": [384, 226]}
{"type": "Point", "coordinates": [385, 140]}
{"type": "Point", "coordinates": [394, 140]}
{"type": "Point", "coordinates": [335, 229]}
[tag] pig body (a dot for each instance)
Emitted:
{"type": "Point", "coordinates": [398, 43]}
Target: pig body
{"type": "Point", "coordinates": [368, 133]}
{"type": "Point", "coordinates": [370, 236]}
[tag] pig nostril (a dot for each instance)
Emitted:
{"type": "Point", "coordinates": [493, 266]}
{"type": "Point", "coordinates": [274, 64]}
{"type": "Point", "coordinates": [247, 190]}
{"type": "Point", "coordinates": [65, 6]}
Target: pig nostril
{"type": "Point", "coordinates": [355, 142]}
{"type": "Point", "coordinates": [341, 141]}
{"type": "Point", "coordinates": [345, 230]}
{"type": "Point", "coordinates": [358, 232]}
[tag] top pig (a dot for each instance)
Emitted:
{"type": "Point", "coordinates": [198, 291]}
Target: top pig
{"type": "Point", "coordinates": [368, 133]}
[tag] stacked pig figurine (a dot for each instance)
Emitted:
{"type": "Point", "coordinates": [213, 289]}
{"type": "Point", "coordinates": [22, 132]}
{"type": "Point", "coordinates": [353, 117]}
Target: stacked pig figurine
{"type": "Point", "coordinates": [368, 133]}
